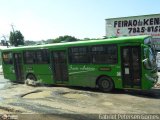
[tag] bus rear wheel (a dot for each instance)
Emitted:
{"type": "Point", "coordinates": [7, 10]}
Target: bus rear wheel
{"type": "Point", "coordinates": [105, 84]}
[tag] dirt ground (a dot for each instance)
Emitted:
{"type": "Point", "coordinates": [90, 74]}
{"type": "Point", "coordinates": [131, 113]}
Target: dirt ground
{"type": "Point", "coordinates": [66, 102]}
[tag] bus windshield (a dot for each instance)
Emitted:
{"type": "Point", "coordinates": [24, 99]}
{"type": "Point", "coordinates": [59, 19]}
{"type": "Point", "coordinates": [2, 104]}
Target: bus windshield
{"type": "Point", "coordinates": [151, 64]}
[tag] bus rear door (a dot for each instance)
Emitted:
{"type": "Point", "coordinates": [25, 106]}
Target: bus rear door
{"type": "Point", "coordinates": [59, 67]}
{"type": "Point", "coordinates": [131, 66]}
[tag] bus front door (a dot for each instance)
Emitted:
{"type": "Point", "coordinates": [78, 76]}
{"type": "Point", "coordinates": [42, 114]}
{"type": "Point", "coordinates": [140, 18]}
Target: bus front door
{"type": "Point", "coordinates": [59, 67]}
{"type": "Point", "coordinates": [131, 66]}
{"type": "Point", "coordinates": [18, 67]}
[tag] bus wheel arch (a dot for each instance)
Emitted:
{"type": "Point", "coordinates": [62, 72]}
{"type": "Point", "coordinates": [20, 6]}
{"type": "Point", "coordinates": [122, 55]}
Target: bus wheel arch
{"type": "Point", "coordinates": [31, 76]}
{"type": "Point", "coordinates": [105, 83]}
{"type": "Point", "coordinates": [31, 80]}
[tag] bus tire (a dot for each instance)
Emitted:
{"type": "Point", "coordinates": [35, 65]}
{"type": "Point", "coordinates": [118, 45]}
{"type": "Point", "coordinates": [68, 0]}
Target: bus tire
{"type": "Point", "coordinates": [105, 84]}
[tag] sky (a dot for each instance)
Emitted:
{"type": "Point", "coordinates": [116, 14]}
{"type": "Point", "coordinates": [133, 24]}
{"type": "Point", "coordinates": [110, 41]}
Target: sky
{"type": "Point", "coordinates": [49, 19]}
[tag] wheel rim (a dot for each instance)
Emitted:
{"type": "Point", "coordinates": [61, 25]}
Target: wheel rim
{"type": "Point", "coordinates": [105, 84]}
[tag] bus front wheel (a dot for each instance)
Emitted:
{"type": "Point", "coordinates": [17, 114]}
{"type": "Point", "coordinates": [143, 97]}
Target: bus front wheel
{"type": "Point", "coordinates": [105, 84]}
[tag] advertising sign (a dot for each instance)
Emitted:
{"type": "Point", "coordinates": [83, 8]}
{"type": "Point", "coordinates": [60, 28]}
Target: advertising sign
{"type": "Point", "coordinates": [134, 25]}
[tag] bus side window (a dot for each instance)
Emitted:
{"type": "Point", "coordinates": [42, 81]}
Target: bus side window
{"type": "Point", "coordinates": [79, 55]}
{"type": "Point", "coordinates": [7, 58]}
{"type": "Point", "coordinates": [104, 54]}
{"type": "Point", "coordinates": [29, 57]}
{"type": "Point", "coordinates": [42, 57]}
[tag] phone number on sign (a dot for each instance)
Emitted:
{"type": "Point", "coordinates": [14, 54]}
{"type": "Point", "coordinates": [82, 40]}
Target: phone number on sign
{"type": "Point", "coordinates": [144, 29]}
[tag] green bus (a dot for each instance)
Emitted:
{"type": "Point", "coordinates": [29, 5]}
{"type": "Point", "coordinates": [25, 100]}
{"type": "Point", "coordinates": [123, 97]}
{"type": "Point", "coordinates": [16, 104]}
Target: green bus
{"type": "Point", "coordinates": [121, 63]}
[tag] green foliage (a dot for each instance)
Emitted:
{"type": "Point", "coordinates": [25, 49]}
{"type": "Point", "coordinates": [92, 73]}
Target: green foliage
{"type": "Point", "coordinates": [16, 38]}
{"type": "Point", "coordinates": [29, 42]}
{"type": "Point", "coordinates": [65, 38]}
{"type": "Point", "coordinates": [49, 41]}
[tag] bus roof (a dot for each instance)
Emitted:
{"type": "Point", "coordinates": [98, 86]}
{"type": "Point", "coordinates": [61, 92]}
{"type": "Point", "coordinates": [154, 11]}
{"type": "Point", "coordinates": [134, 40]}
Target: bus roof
{"type": "Point", "coordinates": [80, 43]}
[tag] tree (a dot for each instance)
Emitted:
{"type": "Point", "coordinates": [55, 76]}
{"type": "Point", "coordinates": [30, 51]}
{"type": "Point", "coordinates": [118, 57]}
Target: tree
{"type": "Point", "coordinates": [16, 38]}
{"type": "Point", "coordinates": [65, 38]}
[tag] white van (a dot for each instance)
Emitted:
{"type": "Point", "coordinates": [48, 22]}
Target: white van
{"type": "Point", "coordinates": [158, 60]}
